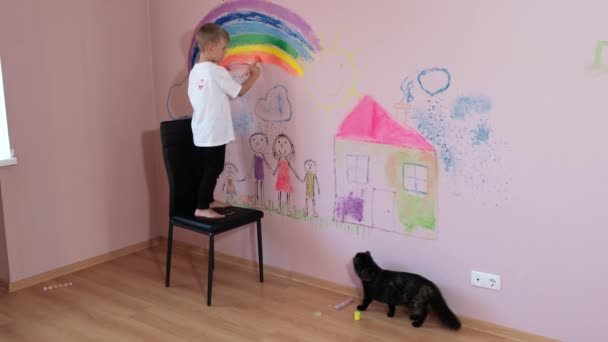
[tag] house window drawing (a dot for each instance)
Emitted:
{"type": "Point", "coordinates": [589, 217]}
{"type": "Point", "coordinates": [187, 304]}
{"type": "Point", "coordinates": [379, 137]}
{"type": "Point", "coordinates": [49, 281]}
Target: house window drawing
{"type": "Point", "coordinates": [357, 169]}
{"type": "Point", "coordinates": [415, 178]}
{"type": "Point", "coordinates": [600, 59]}
{"type": "Point", "coordinates": [399, 192]}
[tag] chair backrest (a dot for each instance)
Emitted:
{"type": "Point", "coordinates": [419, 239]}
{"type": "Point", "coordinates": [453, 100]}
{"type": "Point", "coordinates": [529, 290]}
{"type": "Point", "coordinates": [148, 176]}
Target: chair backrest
{"type": "Point", "coordinates": [181, 167]}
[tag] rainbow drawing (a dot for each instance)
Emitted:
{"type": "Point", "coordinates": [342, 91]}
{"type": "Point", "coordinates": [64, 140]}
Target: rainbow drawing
{"type": "Point", "coordinates": [260, 28]}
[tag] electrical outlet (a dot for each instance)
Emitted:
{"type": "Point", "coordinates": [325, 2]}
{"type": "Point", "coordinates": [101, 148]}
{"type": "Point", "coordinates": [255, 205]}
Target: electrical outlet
{"type": "Point", "coordinates": [486, 280]}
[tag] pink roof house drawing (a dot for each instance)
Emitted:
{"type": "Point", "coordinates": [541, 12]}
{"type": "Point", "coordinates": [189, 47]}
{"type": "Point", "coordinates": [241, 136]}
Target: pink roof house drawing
{"type": "Point", "coordinates": [385, 173]}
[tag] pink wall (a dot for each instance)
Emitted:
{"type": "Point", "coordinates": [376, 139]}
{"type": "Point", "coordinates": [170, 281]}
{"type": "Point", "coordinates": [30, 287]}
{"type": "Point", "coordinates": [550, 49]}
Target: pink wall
{"type": "Point", "coordinates": [533, 216]}
{"type": "Point", "coordinates": [80, 76]}
{"type": "Point", "coordinates": [4, 270]}
{"type": "Point", "coordinates": [79, 90]}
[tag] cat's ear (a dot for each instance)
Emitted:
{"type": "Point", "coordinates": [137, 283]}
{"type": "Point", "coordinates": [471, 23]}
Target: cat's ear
{"type": "Point", "coordinates": [368, 253]}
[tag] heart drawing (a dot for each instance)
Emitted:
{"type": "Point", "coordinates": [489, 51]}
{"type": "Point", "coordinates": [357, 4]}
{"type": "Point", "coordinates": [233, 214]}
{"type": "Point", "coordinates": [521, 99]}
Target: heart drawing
{"type": "Point", "coordinates": [434, 81]}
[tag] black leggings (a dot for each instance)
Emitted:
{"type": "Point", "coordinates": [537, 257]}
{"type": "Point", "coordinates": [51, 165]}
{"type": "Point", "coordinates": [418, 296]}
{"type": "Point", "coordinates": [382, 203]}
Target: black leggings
{"type": "Point", "coordinates": [210, 161]}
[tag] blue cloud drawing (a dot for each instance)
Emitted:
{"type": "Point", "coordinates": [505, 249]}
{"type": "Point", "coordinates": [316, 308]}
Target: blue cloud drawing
{"type": "Point", "coordinates": [275, 106]}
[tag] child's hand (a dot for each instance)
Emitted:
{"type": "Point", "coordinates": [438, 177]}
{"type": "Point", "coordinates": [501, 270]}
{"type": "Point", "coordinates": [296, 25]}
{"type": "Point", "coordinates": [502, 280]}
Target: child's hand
{"type": "Point", "coordinates": [254, 70]}
{"type": "Point", "coordinates": [254, 73]}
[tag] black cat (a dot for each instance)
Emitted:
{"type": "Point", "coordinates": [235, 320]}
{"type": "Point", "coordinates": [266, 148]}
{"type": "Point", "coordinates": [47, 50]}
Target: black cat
{"type": "Point", "coordinates": [401, 288]}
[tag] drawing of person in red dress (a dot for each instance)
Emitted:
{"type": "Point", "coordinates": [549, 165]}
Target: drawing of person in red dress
{"type": "Point", "coordinates": [284, 152]}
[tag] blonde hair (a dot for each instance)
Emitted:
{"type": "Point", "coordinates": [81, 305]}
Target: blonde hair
{"type": "Point", "coordinates": [210, 33]}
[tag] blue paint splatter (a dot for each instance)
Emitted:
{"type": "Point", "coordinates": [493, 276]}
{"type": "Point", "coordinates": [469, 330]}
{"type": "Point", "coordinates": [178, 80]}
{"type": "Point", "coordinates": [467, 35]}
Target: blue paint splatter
{"type": "Point", "coordinates": [439, 89]}
{"type": "Point", "coordinates": [447, 155]}
{"type": "Point", "coordinates": [434, 128]}
{"type": "Point", "coordinates": [481, 134]}
{"type": "Point", "coordinates": [243, 123]}
{"type": "Point", "coordinates": [466, 105]}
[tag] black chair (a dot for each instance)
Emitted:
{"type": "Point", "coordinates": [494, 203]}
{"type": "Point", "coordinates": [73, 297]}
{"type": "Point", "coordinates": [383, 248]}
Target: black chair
{"type": "Point", "coordinates": [181, 167]}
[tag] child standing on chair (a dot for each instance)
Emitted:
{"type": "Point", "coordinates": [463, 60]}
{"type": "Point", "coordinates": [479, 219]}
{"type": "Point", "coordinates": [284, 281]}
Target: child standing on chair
{"type": "Point", "coordinates": [209, 88]}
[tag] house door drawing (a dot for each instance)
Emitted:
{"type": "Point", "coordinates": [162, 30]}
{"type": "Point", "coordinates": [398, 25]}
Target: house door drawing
{"type": "Point", "coordinates": [383, 210]}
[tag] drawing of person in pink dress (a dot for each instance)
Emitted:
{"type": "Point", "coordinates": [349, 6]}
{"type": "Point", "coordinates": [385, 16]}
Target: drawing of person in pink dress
{"type": "Point", "coordinates": [284, 152]}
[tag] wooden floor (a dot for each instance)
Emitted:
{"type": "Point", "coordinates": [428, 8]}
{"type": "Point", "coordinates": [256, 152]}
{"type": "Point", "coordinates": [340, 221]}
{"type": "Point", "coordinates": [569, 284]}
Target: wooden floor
{"type": "Point", "coordinates": [126, 300]}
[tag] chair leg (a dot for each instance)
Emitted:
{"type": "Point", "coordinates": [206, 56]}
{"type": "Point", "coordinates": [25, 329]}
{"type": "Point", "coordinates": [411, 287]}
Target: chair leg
{"type": "Point", "coordinates": [260, 257]}
{"type": "Point", "coordinates": [210, 268]}
{"type": "Point", "coordinates": [169, 253]}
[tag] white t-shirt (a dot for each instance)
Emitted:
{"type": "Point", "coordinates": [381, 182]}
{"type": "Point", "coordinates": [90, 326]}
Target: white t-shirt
{"type": "Point", "coordinates": [209, 86]}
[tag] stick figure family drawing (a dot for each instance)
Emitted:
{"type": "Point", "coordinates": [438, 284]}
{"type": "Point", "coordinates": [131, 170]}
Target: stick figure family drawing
{"type": "Point", "coordinates": [283, 151]}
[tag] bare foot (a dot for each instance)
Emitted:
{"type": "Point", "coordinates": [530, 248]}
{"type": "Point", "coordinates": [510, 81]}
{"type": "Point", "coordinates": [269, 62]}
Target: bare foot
{"type": "Point", "coordinates": [207, 213]}
{"type": "Point", "coordinates": [218, 204]}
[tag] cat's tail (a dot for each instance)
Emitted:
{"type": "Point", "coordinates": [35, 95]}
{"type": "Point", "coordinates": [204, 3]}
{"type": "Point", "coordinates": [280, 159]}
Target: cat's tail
{"type": "Point", "coordinates": [443, 311]}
